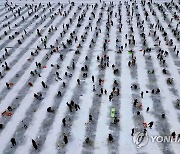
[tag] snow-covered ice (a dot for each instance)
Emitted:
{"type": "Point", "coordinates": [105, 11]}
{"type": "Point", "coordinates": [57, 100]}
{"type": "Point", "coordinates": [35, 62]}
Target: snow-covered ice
{"type": "Point", "coordinates": [97, 56]}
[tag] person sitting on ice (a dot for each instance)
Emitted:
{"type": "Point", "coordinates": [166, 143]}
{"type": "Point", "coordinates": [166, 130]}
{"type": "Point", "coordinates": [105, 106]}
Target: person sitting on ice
{"type": "Point", "coordinates": [151, 71]}
{"type": "Point", "coordinates": [116, 71]}
{"type": "Point", "coordinates": [157, 91]}
{"type": "Point", "coordinates": [164, 71]}
{"type": "Point", "coordinates": [59, 93]}
{"type": "Point", "coordinates": [90, 117]}
{"type": "Point", "coordinates": [170, 81]}
{"type": "Point", "coordinates": [32, 73]}
{"type": "Point", "coordinates": [87, 140]}
{"type": "Point", "coordinates": [163, 115]}
{"type": "Point", "coordinates": [38, 95]}
{"type": "Point", "coordinates": [94, 89]}
{"type": "Point", "coordinates": [134, 86]}
{"type": "Point", "coordinates": [177, 103]}
{"type": "Point", "coordinates": [49, 109]}
{"type": "Point", "coordinates": [138, 113]}
{"type": "Point", "coordinates": [116, 120]}
{"type": "Point", "coordinates": [9, 108]}
{"type": "Point", "coordinates": [84, 75]}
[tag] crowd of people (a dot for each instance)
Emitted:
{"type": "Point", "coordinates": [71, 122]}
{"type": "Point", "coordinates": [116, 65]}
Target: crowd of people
{"type": "Point", "coordinates": [103, 61]}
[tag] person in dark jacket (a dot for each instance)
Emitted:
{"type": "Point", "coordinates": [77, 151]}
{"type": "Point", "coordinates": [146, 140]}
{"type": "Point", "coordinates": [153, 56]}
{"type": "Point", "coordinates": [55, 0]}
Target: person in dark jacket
{"type": "Point", "coordinates": [13, 141]}
{"type": "Point", "coordinates": [34, 144]}
{"type": "Point", "coordinates": [110, 138]}
{"type": "Point", "coordinates": [64, 122]}
{"type": "Point", "coordinates": [65, 139]}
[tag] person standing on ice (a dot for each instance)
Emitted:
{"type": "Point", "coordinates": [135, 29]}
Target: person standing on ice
{"type": "Point", "coordinates": [7, 85]}
{"type": "Point", "coordinates": [92, 78]}
{"type": "Point", "coordinates": [142, 93]}
{"type": "Point", "coordinates": [1, 76]}
{"type": "Point", "coordinates": [65, 139]}
{"type": "Point", "coordinates": [100, 81]}
{"type": "Point", "coordinates": [147, 109]}
{"type": "Point", "coordinates": [57, 74]}
{"type": "Point", "coordinates": [163, 115]}
{"type": "Point", "coordinates": [110, 138]}
{"type": "Point", "coordinates": [78, 81]}
{"type": "Point", "coordinates": [104, 46]}
{"type": "Point", "coordinates": [13, 141]}
{"type": "Point", "coordinates": [177, 53]}
{"type": "Point", "coordinates": [59, 93]}
{"type": "Point", "coordinates": [76, 106]}
{"type": "Point", "coordinates": [151, 124]}
{"type": "Point", "coordinates": [34, 144]}
{"type": "Point", "coordinates": [64, 122]}
{"type": "Point", "coordinates": [73, 65]}
{"type": "Point", "coordinates": [94, 89]}
{"type": "Point", "coordinates": [90, 117]}
{"type": "Point", "coordinates": [49, 109]}
{"type": "Point", "coordinates": [173, 134]}
{"type": "Point", "coordinates": [64, 84]}
{"type": "Point", "coordinates": [87, 140]}
{"type": "Point", "coordinates": [110, 97]}
{"type": "Point", "coordinates": [132, 132]}
{"type": "Point", "coordinates": [43, 84]}
{"type": "Point", "coordinates": [129, 63]}
{"type": "Point", "coordinates": [70, 107]}
{"type": "Point", "coordinates": [6, 66]}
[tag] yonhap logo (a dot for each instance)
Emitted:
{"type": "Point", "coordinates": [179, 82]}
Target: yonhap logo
{"type": "Point", "coordinates": [140, 139]}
